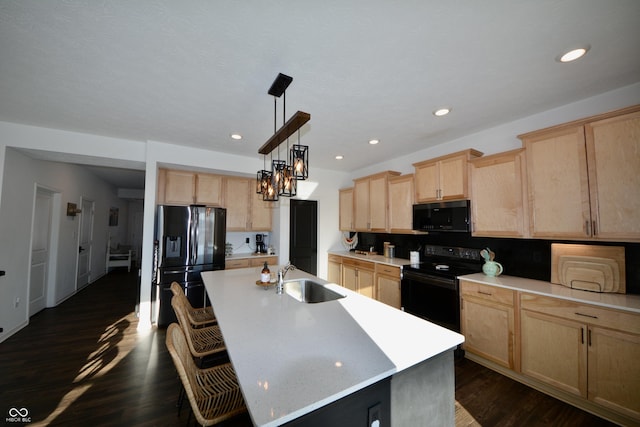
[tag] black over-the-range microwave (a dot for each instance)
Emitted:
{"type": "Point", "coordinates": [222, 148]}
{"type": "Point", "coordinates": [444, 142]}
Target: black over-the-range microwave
{"type": "Point", "coordinates": [442, 216]}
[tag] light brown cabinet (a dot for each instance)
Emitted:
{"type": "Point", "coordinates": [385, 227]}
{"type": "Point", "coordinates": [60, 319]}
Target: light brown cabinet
{"type": "Point", "coordinates": [370, 198]}
{"type": "Point", "coordinates": [487, 320]}
{"type": "Point", "coordinates": [334, 269]}
{"type": "Point", "coordinates": [444, 178]}
{"type": "Point", "coordinates": [583, 178]}
{"type": "Point", "coordinates": [245, 209]}
{"type": "Point", "coordinates": [346, 209]}
{"type": "Point", "coordinates": [388, 284]}
{"type": "Point", "coordinates": [358, 276]}
{"type": "Point", "coordinates": [587, 351]}
{"type": "Point", "coordinates": [178, 187]}
{"type": "Point", "coordinates": [401, 197]}
{"type": "Point", "coordinates": [498, 189]}
{"type": "Point", "coordinates": [257, 261]}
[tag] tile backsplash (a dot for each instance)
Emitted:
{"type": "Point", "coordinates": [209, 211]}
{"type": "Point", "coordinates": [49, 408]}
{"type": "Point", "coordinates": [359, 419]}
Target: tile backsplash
{"type": "Point", "coordinates": [529, 258]}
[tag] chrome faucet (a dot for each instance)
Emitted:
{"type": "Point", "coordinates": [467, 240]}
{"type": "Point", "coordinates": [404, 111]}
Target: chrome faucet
{"type": "Point", "coordinates": [281, 274]}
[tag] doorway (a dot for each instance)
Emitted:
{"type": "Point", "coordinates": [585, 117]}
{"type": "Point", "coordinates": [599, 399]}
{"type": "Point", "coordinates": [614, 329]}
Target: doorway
{"type": "Point", "coordinates": [303, 235]}
{"type": "Point", "coordinates": [85, 243]}
{"type": "Point", "coordinates": [40, 265]}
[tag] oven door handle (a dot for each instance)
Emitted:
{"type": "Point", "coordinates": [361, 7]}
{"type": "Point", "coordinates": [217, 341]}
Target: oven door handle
{"type": "Point", "coordinates": [431, 280]}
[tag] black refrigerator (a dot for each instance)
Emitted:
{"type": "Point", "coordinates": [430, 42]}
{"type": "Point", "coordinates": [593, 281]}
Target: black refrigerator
{"type": "Point", "coordinates": [189, 240]}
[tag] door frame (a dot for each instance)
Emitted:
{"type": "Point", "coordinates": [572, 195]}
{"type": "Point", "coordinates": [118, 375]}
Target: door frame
{"type": "Point", "coordinates": [83, 217]}
{"type": "Point", "coordinates": [54, 237]}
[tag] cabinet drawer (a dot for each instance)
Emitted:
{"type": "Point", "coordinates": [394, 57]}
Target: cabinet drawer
{"type": "Point", "coordinates": [367, 265]}
{"type": "Point", "coordinates": [335, 258]}
{"type": "Point", "coordinates": [259, 261]}
{"type": "Point", "coordinates": [236, 263]}
{"type": "Point", "coordinates": [488, 293]}
{"type": "Point", "coordinates": [388, 270]}
{"type": "Point", "coordinates": [585, 313]}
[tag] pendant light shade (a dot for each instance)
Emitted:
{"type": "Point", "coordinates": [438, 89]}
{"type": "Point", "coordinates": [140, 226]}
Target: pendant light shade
{"type": "Point", "coordinates": [299, 161]}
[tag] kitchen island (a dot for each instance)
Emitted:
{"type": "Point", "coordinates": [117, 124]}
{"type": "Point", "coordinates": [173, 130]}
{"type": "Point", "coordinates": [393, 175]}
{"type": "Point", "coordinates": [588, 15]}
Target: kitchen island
{"type": "Point", "coordinates": [299, 361]}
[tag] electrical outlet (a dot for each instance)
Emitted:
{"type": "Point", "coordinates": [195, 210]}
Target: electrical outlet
{"type": "Point", "coordinates": [246, 240]}
{"type": "Point", "coordinates": [17, 303]}
{"type": "Point", "coordinates": [374, 416]}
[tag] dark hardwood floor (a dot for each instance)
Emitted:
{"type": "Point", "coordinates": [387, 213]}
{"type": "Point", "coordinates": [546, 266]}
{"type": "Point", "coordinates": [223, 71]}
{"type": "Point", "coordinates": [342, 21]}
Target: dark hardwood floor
{"type": "Point", "coordinates": [85, 363]}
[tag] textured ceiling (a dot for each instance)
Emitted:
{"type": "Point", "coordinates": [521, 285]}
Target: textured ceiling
{"type": "Point", "coordinates": [193, 72]}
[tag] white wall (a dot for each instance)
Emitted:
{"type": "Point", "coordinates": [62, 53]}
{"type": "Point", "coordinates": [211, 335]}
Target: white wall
{"type": "Point", "coordinates": [505, 137]}
{"type": "Point", "coordinates": [21, 176]}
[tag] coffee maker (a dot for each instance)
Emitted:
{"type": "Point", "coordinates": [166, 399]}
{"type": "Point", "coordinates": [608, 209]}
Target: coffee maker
{"type": "Point", "coordinates": [260, 245]}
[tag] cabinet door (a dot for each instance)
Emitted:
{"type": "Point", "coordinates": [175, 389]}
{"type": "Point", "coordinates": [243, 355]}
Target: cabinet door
{"type": "Point", "coordinates": [361, 205]}
{"type": "Point", "coordinates": [613, 150]}
{"type": "Point", "coordinates": [208, 189]}
{"type": "Point", "coordinates": [350, 277]}
{"type": "Point", "coordinates": [558, 184]}
{"type": "Point", "coordinates": [334, 273]}
{"type": "Point", "coordinates": [237, 203]}
{"type": "Point", "coordinates": [554, 350]}
{"type": "Point", "coordinates": [401, 195]}
{"type": "Point", "coordinates": [346, 209]}
{"type": "Point", "coordinates": [261, 212]}
{"type": "Point", "coordinates": [427, 183]}
{"type": "Point", "coordinates": [497, 193]}
{"type": "Point", "coordinates": [452, 178]}
{"type": "Point", "coordinates": [378, 203]}
{"type": "Point", "coordinates": [365, 282]}
{"type": "Point", "coordinates": [488, 329]}
{"type": "Point", "coordinates": [179, 187]}
{"type": "Point", "coordinates": [614, 370]}
{"type": "Point", "coordinates": [388, 290]}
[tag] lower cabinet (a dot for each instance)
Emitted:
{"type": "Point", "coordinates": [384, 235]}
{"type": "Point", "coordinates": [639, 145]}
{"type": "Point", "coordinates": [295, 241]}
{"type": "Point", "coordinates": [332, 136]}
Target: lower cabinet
{"type": "Point", "coordinates": [581, 353]}
{"type": "Point", "coordinates": [488, 322]}
{"type": "Point", "coordinates": [257, 261]}
{"type": "Point", "coordinates": [358, 276]}
{"type": "Point", "coordinates": [388, 285]}
{"type": "Point", "coordinates": [588, 351]}
{"type": "Point", "coordinates": [334, 269]}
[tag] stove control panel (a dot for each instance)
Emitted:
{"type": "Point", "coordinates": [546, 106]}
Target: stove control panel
{"type": "Point", "coordinates": [453, 252]}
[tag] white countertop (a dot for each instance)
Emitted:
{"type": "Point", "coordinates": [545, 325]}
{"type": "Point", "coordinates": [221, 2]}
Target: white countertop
{"type": "Point", "coordinates": [292, 358]}
{"type": "Point", "coordinates": [624, 302]}
{"type": "Point", "coordinates": [397, 262]}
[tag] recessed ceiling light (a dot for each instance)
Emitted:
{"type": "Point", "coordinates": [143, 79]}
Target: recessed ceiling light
{"type": "Point", "coordinates": [573, 54]}
{"type": "Point", "coordinates": [441, 112]}
{"type": "Point", "coordinates": [236, 136]}
{"type": "Point", "coordinates": [339, 157]}
{"type": "Point", "coordinates": [374, 141]}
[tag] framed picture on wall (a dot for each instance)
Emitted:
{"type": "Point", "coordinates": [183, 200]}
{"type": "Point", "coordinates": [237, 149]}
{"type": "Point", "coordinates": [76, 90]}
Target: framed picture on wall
{"type": "Point", "coordinates": [113, 217]}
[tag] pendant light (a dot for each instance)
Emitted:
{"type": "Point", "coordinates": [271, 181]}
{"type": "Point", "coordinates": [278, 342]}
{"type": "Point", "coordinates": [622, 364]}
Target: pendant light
{"type": "Point", "coordinates": [282, 179]}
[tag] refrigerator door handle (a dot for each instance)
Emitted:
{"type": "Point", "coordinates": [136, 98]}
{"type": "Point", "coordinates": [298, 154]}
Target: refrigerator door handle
{"type": "Point", "coordinates": [193, 226]}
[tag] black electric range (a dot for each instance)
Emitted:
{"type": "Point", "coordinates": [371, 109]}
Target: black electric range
{"type": "Point", "coordinates": [430, 289]}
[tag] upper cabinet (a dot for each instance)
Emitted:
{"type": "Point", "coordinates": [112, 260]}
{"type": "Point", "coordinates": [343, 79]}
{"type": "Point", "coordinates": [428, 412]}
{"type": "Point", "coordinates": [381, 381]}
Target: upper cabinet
{"type": "Point", "coordinates": [583, 178]}
{"type": "Point", "coordinates": [245, 209]}
{"type": "Point", "coordinates": [498, 186]}
{"type": "Point", "coordinates": [370, 197]}
{"type": "Point", "coordinates": [178, 187]}
{"type": "Point", "coordinates": [346, 209]}
{"type": "Point", "coordinates": [443, 178]}
{"type": "Point", "coordinates": [401, 196]}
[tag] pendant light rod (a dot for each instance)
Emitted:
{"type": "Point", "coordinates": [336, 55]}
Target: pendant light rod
{"type": "Point", "coordinates": [293, 124]}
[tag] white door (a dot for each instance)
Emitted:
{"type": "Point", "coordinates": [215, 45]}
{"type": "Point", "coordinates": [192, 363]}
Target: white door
{"type": "Point", "coordinates": [85, 241]}
{"type": "Point", "coordinates": [40, 238]}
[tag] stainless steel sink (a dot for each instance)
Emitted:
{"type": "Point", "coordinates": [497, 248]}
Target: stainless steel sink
{"type": "Point", "coordinates": [306, 290]}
